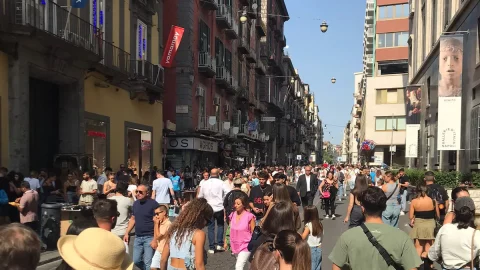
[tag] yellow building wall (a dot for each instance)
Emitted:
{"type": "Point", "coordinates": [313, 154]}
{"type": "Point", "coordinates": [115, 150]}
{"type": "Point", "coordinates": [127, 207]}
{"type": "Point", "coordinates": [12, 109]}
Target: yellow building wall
{"type": "Point", "coordinates": [155, 40]}
{"type": "Point", "coordinates": [116, 21]}
{"type": "Point", "coordinates": [4, 110]}
{"type": "Point", "coordinates": [127, 29]}
{"type": "Point", "coordinates": [117, 105]}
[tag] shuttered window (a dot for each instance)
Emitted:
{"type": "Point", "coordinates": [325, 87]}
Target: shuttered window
{"type": "Point", "coordinates": [390, 96]}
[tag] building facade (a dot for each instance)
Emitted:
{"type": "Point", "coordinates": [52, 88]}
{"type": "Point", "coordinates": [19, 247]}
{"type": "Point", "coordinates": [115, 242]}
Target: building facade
{"type": "Point", "coordinates": [428, 21]}
{"type": "Point", "coordinates": [230, 91]}
{"type": "Point", "coordinates": [379, 107]}
{"type": "Point", "coordinates": [81, 86]}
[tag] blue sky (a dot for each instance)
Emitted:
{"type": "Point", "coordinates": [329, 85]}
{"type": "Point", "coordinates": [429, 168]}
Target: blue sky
{"type": "Point", "coordinates": [320, 56]}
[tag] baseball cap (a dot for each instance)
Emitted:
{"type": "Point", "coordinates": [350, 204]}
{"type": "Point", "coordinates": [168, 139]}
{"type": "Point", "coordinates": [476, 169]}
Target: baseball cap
{"type": "Point", "coordinates": [238, 181]}
{"type": "Point", "coordinates": [464, 201]}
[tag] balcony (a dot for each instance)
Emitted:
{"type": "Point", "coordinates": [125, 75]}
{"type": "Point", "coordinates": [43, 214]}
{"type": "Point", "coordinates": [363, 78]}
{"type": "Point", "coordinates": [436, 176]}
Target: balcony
{"type": "Point", "coordinates": [232, 32]}
{"type": "Point", "coordinates": [115, 63]}
{"type": "Point", "coordinates": [206, 64]}
{"type": "Point", "coordinates": [244, 45]}
{"type": "Point", "coordinates": [233, 86]}
{"type": "Point", "coordinates": [251, 56]}
{"type": "Point", "coordinates": [224, 16]}
{"type": "Point", "coordinates": [227, 132]}
{"type": "Point", "coordinates": [146, 81]}
{"type": "Point", "coordinates": [242, 93]}
{"type": "Point", "coordinates": [205, 124]}
{"type": "Point", "coordinates": [358, 99]}
{"type": "Point", "coordinates": [261, 27]}
{"type": "Point", "coordinates": [223, 77]}
{"type": "Point", "coordinates": [249, 132]}
{"type": "Point", "coordinates": [49, 27]}
{"type": "Point", "coordinates": [260, 68]}
{"type": "Point", "coordinates": [209, 4]}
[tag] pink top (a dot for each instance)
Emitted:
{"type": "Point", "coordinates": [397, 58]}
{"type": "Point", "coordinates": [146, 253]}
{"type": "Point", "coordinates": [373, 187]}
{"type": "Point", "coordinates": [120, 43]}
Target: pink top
{"type": "Point", "coordinates": [240, 233]}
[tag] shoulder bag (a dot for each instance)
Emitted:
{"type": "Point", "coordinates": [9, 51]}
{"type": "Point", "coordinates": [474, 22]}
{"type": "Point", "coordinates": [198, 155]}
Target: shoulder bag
{"type": "Point", "coordinates": [388, 259]}
{"type": "Point", "coordinates": [388, 198]}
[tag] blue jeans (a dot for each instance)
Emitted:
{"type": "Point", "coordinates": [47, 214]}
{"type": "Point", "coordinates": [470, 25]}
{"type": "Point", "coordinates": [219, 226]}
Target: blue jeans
{"type": "Point", "coordinates": [391, 214]}
{"type": "Point", "coordinates": [404, 201]}
{"type": "Point", "coordinates": [143, 252]}
{"type": "Point", "coordinates": [340, 190]}
{"type": "Point", "coordinates": [217, 216]}
{"type": "Point", "coordinates": [316, 253]}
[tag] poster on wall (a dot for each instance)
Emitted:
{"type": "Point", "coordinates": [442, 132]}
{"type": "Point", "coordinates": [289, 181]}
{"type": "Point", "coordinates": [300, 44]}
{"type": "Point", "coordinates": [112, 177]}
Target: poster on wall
{"type": "Point", "coordinates": [413, 101]}
{"type": "Point", "coordinates": [450, 92]}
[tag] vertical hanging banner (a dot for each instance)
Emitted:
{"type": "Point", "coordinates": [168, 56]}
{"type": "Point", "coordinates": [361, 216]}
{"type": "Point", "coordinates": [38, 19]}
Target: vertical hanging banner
{"type": "Point", "coordinates": [174, 38]}
{"type": "Point", "coordinates": [450, 92]}
{"type": "Point", "coordinates": [413, 101]}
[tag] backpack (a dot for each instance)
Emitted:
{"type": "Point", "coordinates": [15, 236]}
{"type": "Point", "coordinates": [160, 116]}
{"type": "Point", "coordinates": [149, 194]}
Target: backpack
{"type": "Point", "coordinates": [436, 195]}
{"type": "Point", "coordinates": [341, 177]}
{"type": "Point", "coordinates": [3, 197]}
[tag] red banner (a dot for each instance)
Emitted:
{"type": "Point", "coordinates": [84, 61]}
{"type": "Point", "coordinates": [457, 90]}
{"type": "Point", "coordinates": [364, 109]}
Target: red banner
{"type": "Point", "coordinates": [176, 34]}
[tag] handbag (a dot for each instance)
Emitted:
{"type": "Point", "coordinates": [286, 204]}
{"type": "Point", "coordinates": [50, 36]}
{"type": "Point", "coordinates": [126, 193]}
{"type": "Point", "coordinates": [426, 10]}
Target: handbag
{"type": "Point", "coordinates": [326, 194]}
{"type": "Point", "coordinates": [383, 252]}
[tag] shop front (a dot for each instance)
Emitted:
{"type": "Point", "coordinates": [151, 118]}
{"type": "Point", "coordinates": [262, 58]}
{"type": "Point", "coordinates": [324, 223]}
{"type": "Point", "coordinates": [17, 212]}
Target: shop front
{"type": "Point", "coordinates": [197, 153]}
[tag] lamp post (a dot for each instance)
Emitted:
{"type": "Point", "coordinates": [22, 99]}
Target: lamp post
{"type": "Point", "coordinates": [324, 27]}
{"type": "Point", "coordinates": [333, 80]}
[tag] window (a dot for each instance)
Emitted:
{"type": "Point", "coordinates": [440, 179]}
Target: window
{"type": "Point", "coordinates": [392, 67]}
{"type": "Point", "coordinates": [434, 21]}
{"type": "Point", "coordinates": [475, 134]}
{"type": "Point", "coordinates": [387, 123]}
{"type": "Point", "coordinates": [228, 60]}
{"type": "Point", "coordinates": [96, 140]}
{"type": "Point", "coordinates": [393, 11]}
{"type": "Point", "coordinates": [446, 12]}
{"type": "Point", "coordinates": [219, 53]}
{"type": "Point", "coordinates": [390, 96]}
{"type": "Point", "coordinates": [97, 14]}
{"type": "Point", "coordinates": [139, 148]}
{"type": "Point", "coordinates": [388, 40]}
{"type": "Point", "coordinates": [142, 40]}
{"type": "Point", "coordinates": [201, 110]}
{"type": "Point", "coordinates": [204, 39]}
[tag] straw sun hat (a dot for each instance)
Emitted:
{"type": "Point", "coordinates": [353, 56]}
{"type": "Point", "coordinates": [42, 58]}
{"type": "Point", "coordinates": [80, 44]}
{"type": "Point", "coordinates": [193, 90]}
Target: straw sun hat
{"type": "Point", "coordinates": [94, 249]}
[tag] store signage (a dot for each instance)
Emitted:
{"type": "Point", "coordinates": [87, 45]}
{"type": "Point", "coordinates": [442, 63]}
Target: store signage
{"type": "Point", "coordinates": [173, 42]}
{"type": "Point", "coordinates": [268, 119]}
{"type": "Point", "coordinates": [181, 109]}
{"type": "Point", "coordinates": [192, 144]}
{"type": "Point", "coordinates": [97, 134]}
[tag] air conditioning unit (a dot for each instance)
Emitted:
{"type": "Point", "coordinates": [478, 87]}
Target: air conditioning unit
{"type": "Point", "coordinates": [200, 92]}
{"type": "Point", "coordinates": [227, 107]}
{"type": "Point", "coordinates": [216, 101]}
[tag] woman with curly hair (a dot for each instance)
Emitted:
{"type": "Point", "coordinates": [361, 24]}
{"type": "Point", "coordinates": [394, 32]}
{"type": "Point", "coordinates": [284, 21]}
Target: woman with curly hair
{"type": "Point", "coordinates": [184, 247]}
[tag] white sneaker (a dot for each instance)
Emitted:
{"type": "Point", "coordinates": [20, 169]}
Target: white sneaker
{"type": "Point", "coordinates": [339, 199]}
{"type": "Point", "coordinates": [220, 248]}
{"type": "Point", "coordinates": [327, 217]}
{"type": "Point", "coordinates": [333, 217]}
{"type": "Point", "coordinates": [211, 251]}
{"type": "Point", "coordinates": [402, 213]}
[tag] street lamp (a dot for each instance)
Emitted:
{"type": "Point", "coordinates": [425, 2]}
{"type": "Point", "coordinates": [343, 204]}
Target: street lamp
{"type": "Point", "coordinates": [243, 18]}
{"type": "Point", "coordinates": [334, 80]}
{"type": "Point", "coordinates": [292, 80]}
{"type": "Point", "coordinates": [324, 27]}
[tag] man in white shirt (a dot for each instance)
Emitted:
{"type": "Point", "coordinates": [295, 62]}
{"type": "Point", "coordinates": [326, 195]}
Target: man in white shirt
{"type": "Point", "coordinates": [229, 182]}
{"type": "Point", "coordinates": [33, 181]}
{"type": "Point", "coordinates": [161, 188]}
{"type": "Point", "coordinates": [214, 191]}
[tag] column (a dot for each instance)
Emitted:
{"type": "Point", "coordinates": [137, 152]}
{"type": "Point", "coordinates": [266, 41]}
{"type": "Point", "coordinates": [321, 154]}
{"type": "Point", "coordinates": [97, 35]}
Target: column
{"type": "Point", "coordinates": [19, 115]}
{"type": "Point", "coordinates": [71, 122]}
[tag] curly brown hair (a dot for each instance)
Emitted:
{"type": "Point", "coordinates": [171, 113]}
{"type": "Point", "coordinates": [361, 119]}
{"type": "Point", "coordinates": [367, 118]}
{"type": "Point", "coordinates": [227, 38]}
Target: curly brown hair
{"type": "Point", "coordinates": [193, 217]}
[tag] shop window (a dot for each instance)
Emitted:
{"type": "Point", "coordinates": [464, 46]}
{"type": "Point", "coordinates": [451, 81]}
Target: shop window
{"type": "Point", "coordinates": [392, 67]}
{"type": "Point", "coordinates": [204, 39]}
{"type": "Point", "coordinates": [139, 149]}
{"type": "Point", "coordinates": [96, 141]}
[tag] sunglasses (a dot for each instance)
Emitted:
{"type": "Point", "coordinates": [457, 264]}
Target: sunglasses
{"type": "Point", "coordinates": [158, 213]}
{"type": "Point", "coordinates": [141, 192]}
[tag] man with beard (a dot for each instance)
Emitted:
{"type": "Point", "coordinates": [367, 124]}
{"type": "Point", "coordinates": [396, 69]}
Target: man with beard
{"type": "Point", "coordinates": [88, 188]}
{"type": "Point", "coordinates": [256, 196]}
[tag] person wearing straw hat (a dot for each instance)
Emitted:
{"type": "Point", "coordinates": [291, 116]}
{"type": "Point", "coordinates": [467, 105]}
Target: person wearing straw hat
{"type": "Point", "coordinates": [80, 252]}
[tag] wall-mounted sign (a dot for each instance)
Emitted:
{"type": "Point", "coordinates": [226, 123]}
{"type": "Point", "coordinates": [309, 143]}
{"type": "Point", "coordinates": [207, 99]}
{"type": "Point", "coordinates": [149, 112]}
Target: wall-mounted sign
{"type": "Point", "coordinates": [268, 119]}
{"type": "Point", "coordinates": [181, 109]}
{"type": "Point", "coordinates": [192, 144]}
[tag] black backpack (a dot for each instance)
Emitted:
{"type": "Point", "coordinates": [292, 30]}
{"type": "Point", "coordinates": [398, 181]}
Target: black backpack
{"type": "Point", "coordinates": [436, 195]}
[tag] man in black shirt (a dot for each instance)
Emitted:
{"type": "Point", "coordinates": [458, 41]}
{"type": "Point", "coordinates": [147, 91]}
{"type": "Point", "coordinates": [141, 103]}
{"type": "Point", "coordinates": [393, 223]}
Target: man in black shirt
{"type": "Point", "coordinates": [256, 196]}
{"type": "Point", "coordinates": [282, 178]}
{"type": "Point", "coordinates": [437, 193]}
{"type": "Point", "coordinates": [235, 193]}
{"type": "Point", "coordinates": [404, 183]}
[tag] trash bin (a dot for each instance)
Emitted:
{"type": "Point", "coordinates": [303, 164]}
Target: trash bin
{"type": "Point", "coordinates": [50, 224]}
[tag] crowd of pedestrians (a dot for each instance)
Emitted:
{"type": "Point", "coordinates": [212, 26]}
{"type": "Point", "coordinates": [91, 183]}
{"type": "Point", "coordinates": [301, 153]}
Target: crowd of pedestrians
{"type": "Point", "coordinates": [265, 217]}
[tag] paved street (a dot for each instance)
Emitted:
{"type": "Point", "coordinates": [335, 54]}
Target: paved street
{"type": "Point", "coordinates": [333, 228]}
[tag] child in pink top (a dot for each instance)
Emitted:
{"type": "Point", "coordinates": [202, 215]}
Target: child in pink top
{"type": "Point", "coordinates": [242, 224]}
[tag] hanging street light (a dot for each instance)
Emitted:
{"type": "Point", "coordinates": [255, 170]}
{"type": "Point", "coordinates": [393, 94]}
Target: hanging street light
{"type": "Point", "coordinates": [243, 18]}
{"type": "Point", "coordinates": [324, 27]}
{"type": "Point", "coordinates": [292, 80]}
{"type": "Point", "coordinates": [334, 80]}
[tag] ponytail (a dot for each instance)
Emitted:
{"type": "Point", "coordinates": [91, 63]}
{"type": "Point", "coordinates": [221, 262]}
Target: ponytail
{"type": "Point", "coordinates": [302, 256]}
